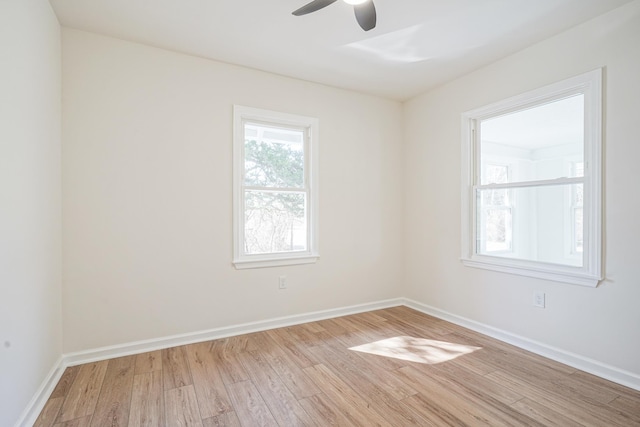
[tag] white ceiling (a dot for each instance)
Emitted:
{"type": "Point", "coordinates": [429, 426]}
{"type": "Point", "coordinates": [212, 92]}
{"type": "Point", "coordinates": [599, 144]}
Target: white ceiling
{"type": "Point", "coordinates": [417, 44]}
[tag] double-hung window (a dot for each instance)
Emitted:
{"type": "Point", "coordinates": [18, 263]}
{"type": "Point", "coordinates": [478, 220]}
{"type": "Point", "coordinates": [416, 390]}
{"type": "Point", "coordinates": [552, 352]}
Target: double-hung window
{"type": "Point", "coordinates": [275, 188]}
{"type": "Point", "coordinates": [532, 183]}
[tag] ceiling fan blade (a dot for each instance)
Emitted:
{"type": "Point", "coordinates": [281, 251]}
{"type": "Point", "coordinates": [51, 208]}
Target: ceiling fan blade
{"type": "Point", "coordinates": [313, 6]}
{"type": "Point", "coordinates": [366, 15]}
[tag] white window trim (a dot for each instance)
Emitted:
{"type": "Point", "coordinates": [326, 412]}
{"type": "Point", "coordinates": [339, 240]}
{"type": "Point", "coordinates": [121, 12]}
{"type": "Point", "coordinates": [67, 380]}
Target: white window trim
{"type": "Point", "coordinates": [589, 84]}
{"type": "Point", "coordinates": [311, 255]}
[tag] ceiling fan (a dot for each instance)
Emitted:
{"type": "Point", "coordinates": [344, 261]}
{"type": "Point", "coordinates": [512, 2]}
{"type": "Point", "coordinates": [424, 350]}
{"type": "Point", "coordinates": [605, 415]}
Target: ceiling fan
{"type": "Point", "coordinates": [364, 9]}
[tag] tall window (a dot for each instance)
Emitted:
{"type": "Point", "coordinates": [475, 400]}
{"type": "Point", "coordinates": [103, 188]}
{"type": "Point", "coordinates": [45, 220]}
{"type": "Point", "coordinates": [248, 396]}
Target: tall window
{"type": "Point", "coordinates": [275, 188]}
{"type": "Point", "coordinates": [532, 183]}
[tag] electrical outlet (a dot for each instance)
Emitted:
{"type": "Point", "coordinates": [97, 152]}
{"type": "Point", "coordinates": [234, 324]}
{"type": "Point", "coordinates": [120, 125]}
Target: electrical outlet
{"type": "Point", "coordinates": [539, 299]}
{"type": "Point", "coordinates": [282, 282]}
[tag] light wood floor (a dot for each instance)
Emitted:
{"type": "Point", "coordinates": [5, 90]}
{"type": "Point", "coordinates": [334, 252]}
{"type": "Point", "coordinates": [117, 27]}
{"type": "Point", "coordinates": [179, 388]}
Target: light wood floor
{"type": "Point", "coordinates": [392, 367]}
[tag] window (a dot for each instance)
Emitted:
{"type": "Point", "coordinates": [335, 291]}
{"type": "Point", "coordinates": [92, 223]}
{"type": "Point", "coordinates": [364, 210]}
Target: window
{"type": "Point", "coordinates": [274, 188]}
{"type": "Point", "coordinates": [531, 196]}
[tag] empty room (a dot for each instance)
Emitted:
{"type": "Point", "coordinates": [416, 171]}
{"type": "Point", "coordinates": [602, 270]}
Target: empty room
{"type": "Point", "coordinates": [319, 212]}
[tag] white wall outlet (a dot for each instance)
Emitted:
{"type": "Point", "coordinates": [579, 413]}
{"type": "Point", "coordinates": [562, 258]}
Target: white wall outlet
{"type": "Point", "coordinates": [282, 282]}
{"type": "Point", "coordinates": [539, 299]}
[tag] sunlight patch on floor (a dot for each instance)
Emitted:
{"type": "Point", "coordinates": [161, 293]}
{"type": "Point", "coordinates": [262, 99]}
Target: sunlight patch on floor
{"type": "Point", "coordinates": [418, 350]}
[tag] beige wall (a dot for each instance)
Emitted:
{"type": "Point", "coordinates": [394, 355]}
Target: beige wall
{"type": "Point", "coordinates": [30, 202]}
{"type": "Point", "coordinates": [147, 195]}
{"type": "Point", "coordinates": [601, 323]}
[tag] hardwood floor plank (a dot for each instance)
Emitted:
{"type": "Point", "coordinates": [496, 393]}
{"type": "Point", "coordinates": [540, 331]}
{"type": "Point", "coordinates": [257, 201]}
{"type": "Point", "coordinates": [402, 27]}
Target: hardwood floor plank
{"type": "Point", "coordinates": [549, 378]}
{"type": "Point", "coordinates": [348, 336]}
{"type": "Point", "coordinates": [477, 384]}
{"type": "Point", "coordinates": [228, 419]}
{"type": "Point", "coordinates": [303, 336]}
{"type": "Point", "coordinates": [50, 412]}
{"type": "Point", "coordinates": [354, 335]}
{"type": "Point", "coordinates": [435, 413]}
{"type": "Point", "coordinates": [463, 404]}
{"type": "Point", "coordinates": [474, 364]}
{"type": "Point", "coordinates": [353, 406]}
{"type": "Point", "coordinates": [83, 394]}
{"type": "Point", "coordinates": [353, 364]}
{"type": "Point", "coordinates": [260, 341]}
{"type": "Point", "coordinates": [284, 365]}
{"type": "Point", "coordinates": [235, 345]}
{"type": "Point", "coordinates": [291, 347]}
{"type": "Point", "coordinates": [175, 368]}
{"type": "Point", "coordinates": [380, 331]}
{"type": "Point", "coordinates": [283, 405]}
{"type": "Point", "coordinates": [604, 385]}
{"type": "Point", "coordinates": [373, 318]}
{"type": "Point", "coordinates": [78, 422]}
{"type": "Point", "coordinates": [384, 399]}
{"type": "Point", "coordinates": [112, 408]}
{"type": "Point", "coordinates": [149, 361]}
{"type": "Point", "coordinates": [321, 408]}
{"type": "Point", "coordinates": [212, 396]}
{"type": "Point", "coordinates": [313, 327]}
{"type": "Point", "coordinates": [249, 405]}
{"type": "Point", "coordinates": [576, 387]}
{"type": "Point", "coordinates": [230, 368]}
{"type": "Point", "coordinates": [416, 323]}
{"type": "Point", "coordinates": [627, 405]}
{"type": "Point", "coordinates": [329, 325]}
{"type": "Point", "coordinates": [181, 407]}
{"type": "Point", "coordinates": [544, 415]}
{"type": "Point", "coordinates": [586, 413]}
{"type": "Point", "coordinates": [500, 354]}
{"type": "Point", "coordinates": [293, 377]}
{"type": "Point", "coordinates": [62, 388]}
{"type": "Point", "coordinates": [147, 400]}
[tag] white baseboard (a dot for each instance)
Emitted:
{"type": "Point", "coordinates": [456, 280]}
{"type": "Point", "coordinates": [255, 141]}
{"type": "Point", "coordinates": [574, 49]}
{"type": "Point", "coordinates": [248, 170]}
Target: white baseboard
{"type": "Point", "coordinates": [611, 373]}
{"type": "Point", "coordinates": [33, 409]}
{"type": "Point", "coordinates": [110, 352]}
{"type": "Point", "coordinates": [594, 367]}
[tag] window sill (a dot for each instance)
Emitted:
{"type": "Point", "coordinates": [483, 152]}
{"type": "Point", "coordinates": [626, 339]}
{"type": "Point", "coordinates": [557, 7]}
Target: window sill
{"type": "Point", "coordinates": [560, 274]}
{"type": "Point", "coordinates": [264, 262]}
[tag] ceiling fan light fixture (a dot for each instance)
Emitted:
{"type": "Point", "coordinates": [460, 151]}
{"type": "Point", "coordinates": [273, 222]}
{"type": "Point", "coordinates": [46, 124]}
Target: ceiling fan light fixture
{"type": "Point", "coordinates": [364, 9]}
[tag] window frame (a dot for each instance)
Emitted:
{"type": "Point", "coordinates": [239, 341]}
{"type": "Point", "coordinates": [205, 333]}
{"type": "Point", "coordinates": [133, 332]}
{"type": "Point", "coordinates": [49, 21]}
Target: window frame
{"type": "Point", "coordinates": [591, 273]}
{"type": "Point", "coordinates": [310, 125]}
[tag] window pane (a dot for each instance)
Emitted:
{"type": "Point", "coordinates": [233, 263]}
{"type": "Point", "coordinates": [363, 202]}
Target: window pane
{"type": "Point", "coordinates": [275, 222]}
{"type": "Point", "coordinates": [496, 174]}
{"type": "Point", "coordinates": [498, 227]}
{"type": "Point", "coordinates": [539, 224]}
{"type": "Point", "coordinates": [539, 143]}
{"type": "Point", "coordinates": [495, 197]}
{"type": "Point", "coordinates": [578, 239]}
{"type": "Point", "coordinates": [274, 157]}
